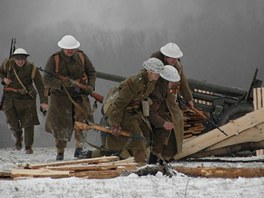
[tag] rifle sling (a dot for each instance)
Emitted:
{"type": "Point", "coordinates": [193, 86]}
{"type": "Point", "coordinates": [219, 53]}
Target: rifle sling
{"type": "Point", "coordinates": [23, 86]}
{"type": "Point", "coordinates": [77, 106]}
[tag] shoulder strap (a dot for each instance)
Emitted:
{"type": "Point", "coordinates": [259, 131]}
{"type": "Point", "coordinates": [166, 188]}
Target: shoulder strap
{"type": "Point", "coordinates": [33, 73]}
{"type": "Point", "coordinates": [57, 60]}
{"type": "Point", "coordinates": [81, 56]}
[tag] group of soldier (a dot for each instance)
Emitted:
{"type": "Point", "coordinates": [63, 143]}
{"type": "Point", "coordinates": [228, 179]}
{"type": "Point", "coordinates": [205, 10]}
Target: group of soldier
{"type": "Point", "coordinates": [145, 104]}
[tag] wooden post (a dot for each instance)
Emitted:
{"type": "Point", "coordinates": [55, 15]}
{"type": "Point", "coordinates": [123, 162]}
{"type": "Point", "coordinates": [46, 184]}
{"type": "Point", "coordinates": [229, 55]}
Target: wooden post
{"type": "Point", "coordinates": [258, 102]}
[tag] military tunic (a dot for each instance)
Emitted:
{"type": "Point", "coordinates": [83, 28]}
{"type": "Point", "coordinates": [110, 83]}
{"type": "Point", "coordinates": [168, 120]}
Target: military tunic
{"type": "Point", "coordinates": [127, 111]}
{"type": "Point", "coordinates": [164, 108]}
{"type": "Point", "coordinates": [185, 90]}
{"type": "Point", "coordinates": [61, 112]}
{"type": "Point", "coordinates": [19, 106]}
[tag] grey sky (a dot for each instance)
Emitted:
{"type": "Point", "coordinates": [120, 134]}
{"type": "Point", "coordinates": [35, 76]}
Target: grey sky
{"type": "Point", "coordinates": [222, 41]}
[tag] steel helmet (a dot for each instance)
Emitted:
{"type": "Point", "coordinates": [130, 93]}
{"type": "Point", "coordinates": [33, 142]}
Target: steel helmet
{"type": "Point", "coordinates": [68, 42]}
{"type": "Point", "coordinates": [20, 51]}
{"type": "Point", "coordinates": [154, 65]}
{"type": "Point", "coordinates": [170, 73]}
{"type": "Point", "coordinates": [171, 50]}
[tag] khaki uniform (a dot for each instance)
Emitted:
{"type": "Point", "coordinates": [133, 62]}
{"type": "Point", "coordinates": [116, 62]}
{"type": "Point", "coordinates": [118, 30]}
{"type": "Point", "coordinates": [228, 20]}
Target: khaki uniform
{"type": "Point", "coordinates": [61, 112]}
{"type": "Point", "coordinates": [165, 108]}
{"type": "Point", "coordinates": [127, 111]}
{"type": "Point", "coordinates": [19, 106]}
{"type": "Point", "coordinates": [176, 114]}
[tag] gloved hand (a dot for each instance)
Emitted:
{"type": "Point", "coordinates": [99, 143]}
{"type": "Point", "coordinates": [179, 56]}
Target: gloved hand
{"type": "Point", "coordinates": [89, 89]}
{"type": "Point", "coordinates": [116, 129]}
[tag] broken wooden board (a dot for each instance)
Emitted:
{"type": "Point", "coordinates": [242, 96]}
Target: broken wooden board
{"type": "Point", "coordinates": [88, 161]}
{"type": "Point", "coordinates": [39, 173]}
{"type": "Point", "coordinates": [254, 134]}
{"type": "Point", "coordinates": [214, 136]}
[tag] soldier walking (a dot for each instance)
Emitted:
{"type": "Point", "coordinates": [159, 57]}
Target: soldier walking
{"type": "Point", "coordinates": [68, 94]}
{"type": "Point", "coordinates": [18, 76]}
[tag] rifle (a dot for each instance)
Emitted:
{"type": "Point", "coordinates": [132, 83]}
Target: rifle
{"type": "Point", "coordinates": [12, 49]}
{"type": "Point", "coordinates": [181, 100]}
{"type": "Point", "coordinates": [90, 125]}
{"type": "Point", "coordinates": [95, 95]}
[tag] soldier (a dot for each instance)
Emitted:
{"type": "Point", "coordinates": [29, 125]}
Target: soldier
{"type": "Point", "coordinates": [170, 54]}
{"type": "Point", "coordinates": [126, 112]}
{"type": "Point", "coordinates": [18, 76]}
{"type": "Point", "coordinates": [68, 95]}
{"type": "Point", "coordinates": [167, 140]}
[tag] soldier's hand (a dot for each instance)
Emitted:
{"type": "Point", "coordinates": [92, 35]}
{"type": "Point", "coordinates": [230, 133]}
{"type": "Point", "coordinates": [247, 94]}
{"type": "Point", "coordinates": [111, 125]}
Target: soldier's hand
{"type": "Point", "coordinates": [7, 81]}
{"type": "Point", "coordinates": [168, 126]}
{"type": "Point", "coordinates": [116, 129]}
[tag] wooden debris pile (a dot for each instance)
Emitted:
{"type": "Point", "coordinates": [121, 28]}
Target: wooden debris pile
{"type": "Point", "coordinates": [193, 123]}
{"type": "Point", "coordinates": [93, 168]}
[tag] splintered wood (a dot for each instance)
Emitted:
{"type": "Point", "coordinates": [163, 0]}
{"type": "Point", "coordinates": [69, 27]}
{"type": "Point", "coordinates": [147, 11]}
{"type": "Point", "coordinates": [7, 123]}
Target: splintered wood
{"type": "Point", "coordinates": [94, 168]}
{"type": "Point", "coordinates": [192, 123]}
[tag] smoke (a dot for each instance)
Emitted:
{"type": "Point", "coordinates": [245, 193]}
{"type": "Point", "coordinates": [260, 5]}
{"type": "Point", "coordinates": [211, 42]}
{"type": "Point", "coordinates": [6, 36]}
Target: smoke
{"type": "Point", "coordinates": [222, 41]}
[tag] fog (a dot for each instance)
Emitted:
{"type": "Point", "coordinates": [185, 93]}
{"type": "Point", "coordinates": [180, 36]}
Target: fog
{"type": "Point", "coordinates": [221, 40]}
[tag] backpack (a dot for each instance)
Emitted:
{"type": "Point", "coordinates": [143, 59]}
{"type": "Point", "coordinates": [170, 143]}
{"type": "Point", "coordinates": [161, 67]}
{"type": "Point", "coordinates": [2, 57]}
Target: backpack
{"type": "Point", "coordinates": [109, 100]}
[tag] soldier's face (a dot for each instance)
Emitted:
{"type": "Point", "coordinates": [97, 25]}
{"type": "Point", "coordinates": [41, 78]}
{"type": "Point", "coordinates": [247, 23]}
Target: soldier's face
{"type": "Point", "coordinates": [20, 61]}
{"type": "Point", "coordinates": [69, 52]}
{"type": "Point", "coordinates": [171, 61]}
{"type": "Point", "coordinates": [153, 76]}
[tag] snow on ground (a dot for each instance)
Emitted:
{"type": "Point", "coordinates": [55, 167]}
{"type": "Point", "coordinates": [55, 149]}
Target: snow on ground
{"type": "Point", "coordinates": [125, 186]}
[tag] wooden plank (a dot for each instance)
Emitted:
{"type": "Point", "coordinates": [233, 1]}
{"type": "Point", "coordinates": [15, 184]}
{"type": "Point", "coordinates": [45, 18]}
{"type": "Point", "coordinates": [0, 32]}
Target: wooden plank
{"type": "Point", "coordinates": [5, 174]}
{"type": "Point", "coordinates": [81, 161]}
{"type": "Point", "coordinates": [97, 167]}
{"type": "Point", "coordinates": [98, 174]}
{"type": "Point", "coordinates": [214, 136]}
{"type": "Point", "coordinates": [259, 95]}
{"type": "Point", "coordinates": [39, 173]}
{"type": "Point", "coordinates": [217, 172]}
{"type": "Point", "coordinates": [260, 152]}
{"type": "Point", "coordinates": [255, 98]}
{"type": "Point", "coordinates": [254, 134]}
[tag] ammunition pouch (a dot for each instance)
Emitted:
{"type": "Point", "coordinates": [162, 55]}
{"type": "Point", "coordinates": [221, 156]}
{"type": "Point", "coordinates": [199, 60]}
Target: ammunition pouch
{"type": "Point", "coordinates": [145, 108]}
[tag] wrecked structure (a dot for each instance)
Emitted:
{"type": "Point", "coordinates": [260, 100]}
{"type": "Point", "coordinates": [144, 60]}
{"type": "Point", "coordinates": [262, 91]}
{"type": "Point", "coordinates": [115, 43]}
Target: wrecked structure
{"type": "Point", "coordinates": [227, 120]}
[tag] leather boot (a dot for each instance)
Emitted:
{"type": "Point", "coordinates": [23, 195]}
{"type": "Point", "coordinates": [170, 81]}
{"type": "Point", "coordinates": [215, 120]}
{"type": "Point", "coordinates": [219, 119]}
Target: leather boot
{"type": "Point", "coordinates": [29, 150]}
{"type": "Point", "coordinates": [18, 144]}
{"type": "Point", "coordinates": [77, 152]}
{"type": "Point", "coordinates": [60, 156]}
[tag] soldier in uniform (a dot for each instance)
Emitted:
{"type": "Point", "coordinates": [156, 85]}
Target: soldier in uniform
{"type": "Point", "coordinates": [167, 140]}
{"type": "Point", "coordinates": [126, 112]}
{"type": "Point", "coordinates": [170, 54]}
{"type": "Point", "coordinates": [68, 94]}
{"type": "Point", "coordinates": [18, 76]}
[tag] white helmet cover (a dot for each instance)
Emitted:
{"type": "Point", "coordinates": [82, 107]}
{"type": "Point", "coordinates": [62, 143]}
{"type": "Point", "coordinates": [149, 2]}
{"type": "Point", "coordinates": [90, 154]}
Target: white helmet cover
{"type": "Point", "coordinates": [171, 50]}
{"type": "Point", "coordinates": [170, 74]}
{"type": "Point", "coordinates": [154, 65]}
{"type": "Point", "coordinates": [68, 42]}
{"type": "Point", "coordinates": [20, 51]}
